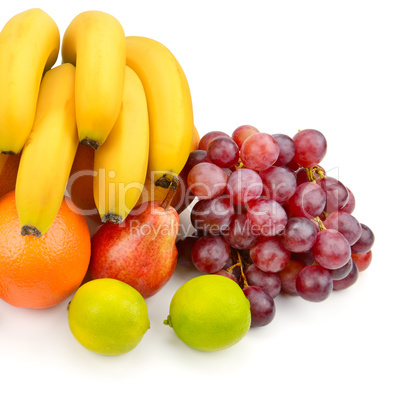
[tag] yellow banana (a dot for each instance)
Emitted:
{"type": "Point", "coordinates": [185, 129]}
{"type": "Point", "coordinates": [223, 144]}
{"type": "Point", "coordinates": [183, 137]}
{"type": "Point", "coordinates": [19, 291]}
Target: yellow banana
{"type": "Point", "coordinates": [48, 154]}
{"type": "Point", "coordinates": [169, 106]}
{"type": "Point", "coordinates": [120, 164]}
{"type": "Point", "coordinates": [95, 43]}
{"type": "Point", "coordinates": [29, 45]}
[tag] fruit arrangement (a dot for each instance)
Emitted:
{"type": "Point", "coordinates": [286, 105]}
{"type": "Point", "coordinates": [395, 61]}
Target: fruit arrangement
{"type": "Point", "coordinates": [268, 217]}
{"type": "Point", "coordinates": [126, 93]}
{"type": "Point", "coordinates": [109, 135]}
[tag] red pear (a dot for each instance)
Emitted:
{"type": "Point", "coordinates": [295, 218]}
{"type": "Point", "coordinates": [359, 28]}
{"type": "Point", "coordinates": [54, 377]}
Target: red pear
{"type": "Point", "coordinates": [141, 251]}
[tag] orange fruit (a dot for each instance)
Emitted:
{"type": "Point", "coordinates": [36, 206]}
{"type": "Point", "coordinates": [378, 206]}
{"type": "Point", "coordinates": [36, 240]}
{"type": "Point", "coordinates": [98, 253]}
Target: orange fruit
{"type": "Point", "coordinates": [8, 172]}
{"type": "Point", "coordinates": [80, 187]}
{"type": "Point", "coordinates": [42, 272]}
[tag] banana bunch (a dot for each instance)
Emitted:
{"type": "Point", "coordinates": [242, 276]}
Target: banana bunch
{"type": "Point", "coordinates": [126, 97]}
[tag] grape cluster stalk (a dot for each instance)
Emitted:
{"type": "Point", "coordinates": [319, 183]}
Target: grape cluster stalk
{"type": "Point", "coordinates": [269, 217]}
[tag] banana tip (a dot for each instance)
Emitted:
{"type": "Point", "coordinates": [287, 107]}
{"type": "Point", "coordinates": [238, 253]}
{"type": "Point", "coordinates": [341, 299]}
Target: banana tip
{"type": "Point", "coordinates": [27, 230]}
{"type": "Point", "coordinates": [90, 143]}
{"type": "Point", "coordinates": [112, 218]}
{"type": "Point", "coordinates": [9, 153]}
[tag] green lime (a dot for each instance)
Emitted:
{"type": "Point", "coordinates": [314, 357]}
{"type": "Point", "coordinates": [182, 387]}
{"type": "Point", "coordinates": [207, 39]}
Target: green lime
{"type": "Point", "coordinates": [209, 313]}
{"type": "Point", "coordinates": [107, 316]}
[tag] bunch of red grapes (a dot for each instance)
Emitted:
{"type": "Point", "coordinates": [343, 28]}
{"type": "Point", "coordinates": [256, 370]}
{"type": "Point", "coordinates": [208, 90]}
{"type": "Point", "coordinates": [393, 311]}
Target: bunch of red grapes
{"type": "Point", "coordinates": [267, 216]}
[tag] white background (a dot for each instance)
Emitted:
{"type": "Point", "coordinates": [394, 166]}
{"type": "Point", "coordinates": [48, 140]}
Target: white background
{"type": "Point", "coordinates": [280, 66]}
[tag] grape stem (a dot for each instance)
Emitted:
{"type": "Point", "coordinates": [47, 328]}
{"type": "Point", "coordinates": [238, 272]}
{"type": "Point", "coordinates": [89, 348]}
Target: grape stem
{"type": "Point", "coordinates": [320, 172]}
{"type": "Point", "coordinates": [232, 267]}
{"type": "Point", "coordinates": [311, 173]}
{"type": "Point", "coordinates": [320, 223]}
{"type": "Point", "coordinates": [242, 274]}
{"type": "Point", "coordinates": [240, 263]}
{"type": "Point", "coordinates": [239, 165]}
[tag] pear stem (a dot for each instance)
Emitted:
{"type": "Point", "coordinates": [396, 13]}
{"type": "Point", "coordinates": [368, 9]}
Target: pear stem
{"type": "Point", "coordinates": [170, 194]}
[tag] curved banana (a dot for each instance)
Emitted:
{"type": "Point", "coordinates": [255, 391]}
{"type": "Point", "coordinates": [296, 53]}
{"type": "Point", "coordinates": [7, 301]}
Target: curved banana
{"type": "Point", "coordinates": [169, 106]}
{"type": "Point", "coordinates": [29, 45]}
{"type": "Point", "coordinates": [95, 43]}
{"type": "Point", "coordinates": [48, 154]}
{"type": "Point", "coordinates": [120, 164]}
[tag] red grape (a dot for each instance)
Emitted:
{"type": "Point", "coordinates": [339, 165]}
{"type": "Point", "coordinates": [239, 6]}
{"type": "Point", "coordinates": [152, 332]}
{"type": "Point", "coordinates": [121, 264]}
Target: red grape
{"type": "Point", "coordinates": [268, 281]}
{"type": "Point", "coordinates": [299, 235]}
{"type": "Point", "coordinates": [349, 280]}
{"type": "Point", "coordinates": [314, 283]}
{"type": "Point", "coordinates": [308, 201]}
{"type": "Point", "coordinates": [292, 165]}
{"type": "Point", "coordinates": [262, 306]}
{"type": "Point", "coordinates": [351, 203]}
{"type": "Point", "coordinates": [306, 258]}
{"type": "Point", "coordinates": [242, 133]}
{"type": "Point", "coordinates": [269, 254]}
{"type": "Point", "coordinates": [184, 247]}
{"type": "Point", "coordinates": [288, 276]}
{"type": "Point", "coordinates": [239, 234]}
{"type": "Point", "coordinates": [331, 250]}
{"type": "Point", "coordinates": [208, 137]}
{"type": "Point", "coordinates": [212, 216]}
{"type": "Point", "coordinates": [279, 183]}
{"type": "Point", "coordinates": [286, 149]}
{"type": "Point", "coordinates": [365, 242]}
{"type": "Point", "coordinates": [362, 261]}
{"type": "Point", "coordinates": [267, 216]}
{"type": "Point", "coordinates": [310, 147]}
{"type": "Point", "coordinates": [259, 151]}
{"type": "Point", "coordinates": [342, 272]}
{"type": "Point", "coordinates": [210, 254]}
{"type": "Point", "coordinates": [227, 171]}
{"type": "Point", "coordinates": [194, 158]}
{"type": "Point", "coordinates": [336, 193]}
{"type": "Point", "coordinates": [244, 185]}
{"type": "Point", "coordinates": [344, 223]}
{"type": "Point", "coordinates": [207, 180]}
{"type": "Point", "coordinates": [223, 151]}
